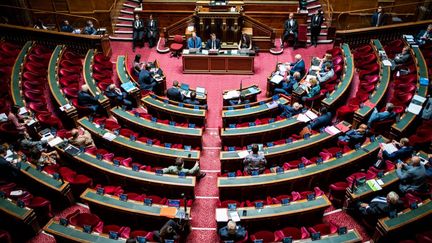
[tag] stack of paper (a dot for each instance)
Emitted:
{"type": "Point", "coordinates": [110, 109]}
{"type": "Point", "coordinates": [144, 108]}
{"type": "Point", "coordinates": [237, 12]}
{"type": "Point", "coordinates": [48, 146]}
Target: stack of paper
{"type": "Point", "coordinates": [272, 104]}
{"type": "Point", "coordinates": [231, 94]}
{"type": "Point", "coordinates": [389, 147]}
{"type": "Point", "coordinates": [234, 216]}
{"type": "Point", "coordinates": [242, 154]}
{"type": "Point", "coordinates": [387, 63]}
{"type": "Point", "coordinates": [205, 52]}
{"type": "Point", "coordinates": [414, 108]}
{"type": "Point", "coordinates": [303, 118]}
{"type": "Point", "coordinates": [23, 111]}
{"type": "Point", "coordinates": [200, 90]}
{"type": "Point", "coordinates": [373, 184]}
{"type": "Point", "coordinates": [109, 136]}
{"type": "Point", "coordinates": [332, 130]}
{"type": "Point", "coordinates": [65, 107]}
{"type": "Point", "coordinates": [311, 114]}
{"type": "Point", "coordinates": [56, 141]}
{"type": "Point", "coordinates": [221, 214]}
{"type": "Point", "coordinates": [282, 68]}
{"type": "Point", "coordinates": [129, 86]}
{"type": "Point", "coordinates": [276, 79]}
{"type": "Point", "coordinates": [185, 51]}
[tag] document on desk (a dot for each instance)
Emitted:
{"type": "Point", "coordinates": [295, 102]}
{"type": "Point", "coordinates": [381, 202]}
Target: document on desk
{"type": "Point", "coordinates": [109, 136]}
{"type": "Point", "coordinates": [200, 90]}
{"type": "Point", "coordinates": [387, 63]}
{"type": "Point", "coordinates": [282, 68]}
{"type": "Point", "coordinates": [332, 130]}
{"type": "Point", "coordinates": [231, 94]}
{"type": "Point", "coordinates": [303, 118]}
{"type": "Point", "coordinates": [419, 99]}
{"type": "Point", "coordinates": [272, 104]}
{"type": "Point", "coordinates": [234, 216]}
{"type": "Point", "coordinates": [276, 79]}
{"type": "Point", "coordinates": [56, 141]}
{"type": "Point", "coordinates": [311, 114]}
{"type": "Point", "coordinates": [389, 147]}
{"type": "Point", "coordinates": [205, 52]}
{"type": "Point", "coordinates": [222, 214]}
{"type": "Point", "coordinates": [373, 184]}
{"type": "Point", "coordinates": [414, 108]}
{"type": "Point", "coordinates": [242, 154]}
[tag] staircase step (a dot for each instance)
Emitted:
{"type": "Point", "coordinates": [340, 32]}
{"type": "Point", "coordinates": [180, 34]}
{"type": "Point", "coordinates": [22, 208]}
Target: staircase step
{"type": "Point", "coordinates": [129, 6]}
{"type": "Point", "coordinates": [135, 1]}
{"type": "Point", "coordinates": [313, 7]}
{"type": "Point", "coordinates": [321, 34]}
{"type": "Point", "coordinates": [120, 38]}
{"type": "Point", "coordinates": [124, 25]}
{"type": "Point", "coordinates": [126, 12]}
{"type": "Point", "coordinates": [125, 18]}
{"type": "Point", "coordinates": [322, 41]}
{"type": "Point", "coordinates": [322, 27]}
{"type": "Point", "coordinates": [123, 31]}
{"type": "Point", "coordinates": [311, 1]}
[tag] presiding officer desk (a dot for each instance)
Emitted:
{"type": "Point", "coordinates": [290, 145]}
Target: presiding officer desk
{"type": "Point", "coordinates": [228, 62]}
{"type": "Point", "coordinates": [294, 179]}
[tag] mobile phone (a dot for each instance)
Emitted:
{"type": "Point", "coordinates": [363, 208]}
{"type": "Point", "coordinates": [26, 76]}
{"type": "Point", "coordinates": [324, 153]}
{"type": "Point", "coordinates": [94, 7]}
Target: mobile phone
{"type": "Point", "coordinates": [244, 213]}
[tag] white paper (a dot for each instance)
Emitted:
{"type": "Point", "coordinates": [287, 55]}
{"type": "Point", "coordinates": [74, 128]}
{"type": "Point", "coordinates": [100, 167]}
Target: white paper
{"type": "Point", "coordinates": [387, 63]}
{"type": "Point", "coordinates": [315, 68]}
{"type": "Point", "coordinates": [302, 118]}
{"type": "Point", "coordinates": [22, 111]}
{"type": "Point", "coordinates": [276, 79]}
{"type": "Point", "coordinates": [231, 94]}
{"type": "Point", "coordinates": [221, 214]}
{"type": "Point", "coordinates": [332, 130]}
{"type": "Point", "coordinates": [419, 98]}
{"type": "Point", "coordinates": [109, 136]}
{"type": "Point", "coordinates": [415, 109]}
{"type": "Point", "coordinates": [389, 147]}
{"type": "Point", "coordinates": [243, 154]}
{"type": "Point", "coordinates": [47, 136]}
{"type": "Point", "coordinates": [234, 52]}
{"type": "Point", "coordinates": [282, 68]}
{"type": "Point", "coordinates": [3, 117]}
{"type": "Point", "coordinates": [311, 114]}
{"type": "Point", "coordinates": [234, 216]}
{"type": "Point", "coordinates": [185, 51]}
{"type": "Point", "coordinates": [272, 105]}
{"type": "Point", "coordinates": [200, 90]}
{"type": "Point", "coordinates": [55, 142]}
{"type": "Point", "coordinates": [30, 122]}
{"type": "Point", "coordinates": [205, 52]}
{"type": "Point", "coordinates": [16, 193]}
{"type": "Point", "coordinates": [380, 182]}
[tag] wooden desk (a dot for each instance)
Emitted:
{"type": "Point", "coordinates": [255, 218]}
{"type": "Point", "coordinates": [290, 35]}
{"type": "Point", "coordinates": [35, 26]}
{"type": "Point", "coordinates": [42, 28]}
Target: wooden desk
{"type": "Point", "coordinates": [47, 183]}
{"type": "Point", "coordinates": [18, 216]}
{"type": "Point", "coordinates": [172, 183]}
{"type": "Point", "coordinates": [90, 81]}
{"type": "Point", "coordinates": [342, 89]}
{"type": "Point", "coordinates": [377, 96]}
{"type": "Point", "coordinates": [124, 77]}
{"type": "Point", "coordinates": [250, 184]}
{"type": "Point", "coordinates": [168, 155]}
{"type": "Point", "coordinates": [387, 226]}
{"type": "Point", "coordinates": [183, 135]}
{"type": "Point", "coordinates": [405, 121]}
{"type": "Point", "coordinates": [218, 64]}
{"type": "Point", "coordinates": [54, 85]}
{"type": "Point", "coordinates": [250, 93]}
{"type": "Point", "coordinates": [15, 86]}
{"type": "Point", "coordinates": [112, 204]}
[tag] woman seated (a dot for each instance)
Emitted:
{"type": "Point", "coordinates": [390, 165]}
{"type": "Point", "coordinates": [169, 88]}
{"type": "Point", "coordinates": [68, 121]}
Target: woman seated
{"type": "Point", "coordinates": [312, 90]}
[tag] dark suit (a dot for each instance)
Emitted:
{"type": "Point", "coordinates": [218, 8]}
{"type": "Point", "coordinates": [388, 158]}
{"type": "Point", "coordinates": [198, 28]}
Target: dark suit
{"type": "Point", "coordinates": [174, 93]}
{"type": "Point", "coordinates": [353, 137]}
{"type": "Point", "coordinates": [412, 178]}
{"type": "Point", "coordinates": [138, 31]}
{"type": "Point", "coordinates": [288, 27]}
{"type": "Point", "coordinates": [191, 102]}
{"type": "Point", "coordinates": [118, 97]}
{"type": "Point", "coordinates": [378, 207]}
{"type": "Point", "coordinates": [402, 153]}
{"type": "Point", "coordinates": [321, 121]}
{"type": "Point", "coordinates": [67, 28]}
{"type": "Point", "coordinates": [152, 32]}
{"type": "Point", "coordinates": [316, 22]}
{"type": "Point", "coordinates": [145, 80]}
{"type": "Point", "coordinates": [378, 19]}
{"type": "Point", "coordinates": [288, 111]}
{"type": "Point", "coordinates": [422, 39]}
{"type": "Point", "coordinates": [298, 66]}
{"type": "Point", "coordinates": [239, 234]}
{"type": "Point", "coordinates": [286, 86]}
{"type": "Point", "coordinates": [245, 42]}
{"type": "Point", "coordinates": [216, 44]}
{"type": "Point", "coordinates": [7, 170]}
{"type": "Point", "coordinates": [87, 100]}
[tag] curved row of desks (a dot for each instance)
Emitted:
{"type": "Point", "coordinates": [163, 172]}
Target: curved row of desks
{"type": "Point", "coordinates": [304, 176]}
{"type": "Point", "coordinates": [184, 135]}
{"type": "Point", "coordinates": [53, 81]}
{"type": "Point", "coordinates": [14, 216]}
{"type": "Point", "coordinates": [380, 90]}
{"type": "Point", "coordinates": [408, 118]}
{"type": "Point", "coordinates": [17, 70]}
{"type": "Point", "coordinates": [342, 89]}
{"type": "Point", "coordinates": [90, 81]}
{"type": "Point", "coordinates": [171, 183]}
{"type": "Point", "coordinates": [154, 151]}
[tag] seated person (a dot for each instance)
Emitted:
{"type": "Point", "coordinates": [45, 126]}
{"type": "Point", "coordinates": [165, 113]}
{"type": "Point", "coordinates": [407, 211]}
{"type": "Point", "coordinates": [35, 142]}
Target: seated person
{"type": "Point", "coordinates": [321, 62]}
{"type": "Point", "coordinates": [87, 100]}
{"type": "Point", "coordinates": [119, 97]}
{"type": "Point", "coordinates": [213, 43]}
{"type": "Point", "coordinates": [313, 90]}
{"type": "Point", "coordinates": [289, 111]}
{"type": "Point", "coordinates": [428, 166]}
{"type": "Point", "coordinates": [17, 120]}
{"type": "Point", "coordinates": [287, 85]}
{"type": "Point", "coordinates": [326, 75]}
{"type": "Point", "coordinates": [404, 150]}
{"type": "Point", "coordinates": [40, 25]}
{"type": "Point", "coordinates": [354, 136]}
{"type": "Point", "coordinates": [89, 29]}
{"type": "Point", "coordinates": [380, 206]}
{"type": "Point", "coordinates": [242, 100]}
{"type": "Point", "coordinates": [381, 116]}
{"type": "Point", "coordinates": [254, 161]}
{"type": "Point", "coordinates": [171, 230]}
{"type": "Point", "coordinates": [179, 167]}
{"type": "Point", "coordinates": [298, 65]}
{"type": "Point", "coordinates": [174, 92]}
{"type": "Point", "coordinates": [81, 138]}
{"type": "Point", "coordinates": [146, 80]}
{"type": "Point", "coordinates": [8, 168]}
{"type": "Point", "coordinates": [34, 147]}
{"type": "Point", "coordinates": [424, 36]}
{"type": "Point", "coordinates": [66, 27]}
{"type": "Point", "coordinates": [324, 120]}
{"type": "Point", "coordinates": [232, 232]}
{"type": "Point", "coordinates": [137, 65]}
{"type": "Point", "coordinates": [412, 176]}
{"type": "Point", "coordinates": [194, 42]}
{"type": "Point", "coordinates": [48, 158]}
{"type": "Point", "coordinates": [245, 42]}
{"type": "Point", "coordinates": [192, 100]}
{"type": "Point", "coordinates": [400, 58]}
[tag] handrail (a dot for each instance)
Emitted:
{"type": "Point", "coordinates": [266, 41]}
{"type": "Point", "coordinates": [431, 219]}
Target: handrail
{"type": "Point", "coordinates": [176, 25]}
{"type": "Point", "coordinates": [385, 27]}
{"type": "Point", "coordinates": [373, 9]}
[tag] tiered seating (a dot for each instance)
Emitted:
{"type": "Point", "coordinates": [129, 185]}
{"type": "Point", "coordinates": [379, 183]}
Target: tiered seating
{"type": "Point", "coordinates": [8, 55]}
{"type": "Point", "coordinates": [97, 79]}
{"type": "Point", "coordinates": [250, 93]}
{"type": "Point", "coordinates": [17, 79]}
{"type": "Point", "coordinates": [78, 182]}
{"type": "Point", "coordinates": [422, 136]}
{"type": "Point", "coordinates": [163, 130]}
{"type": "Point", "coordinates": [337, 92]}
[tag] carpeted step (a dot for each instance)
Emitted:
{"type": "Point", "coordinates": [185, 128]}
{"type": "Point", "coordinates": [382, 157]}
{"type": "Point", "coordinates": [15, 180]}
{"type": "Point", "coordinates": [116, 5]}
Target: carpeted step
{"type": "Point", "coordinates": [322, 41]}
{"type": "Point", "coordinates": [126, 5]}
{"type": "Point", "coordinates": [126, 12]}
{"type": "Point", "coordinates": [313, 7]}
{"type": "Point", "coordinates": [123, 32]}
{"type": "Point", "coordinates": [125, 18]}
{"type": "Point", "coordinates": [123, 25]}
{"type": "Point", "coordinates": [120, 38]}
{"type": "Point", "coordinates": [322, 33]}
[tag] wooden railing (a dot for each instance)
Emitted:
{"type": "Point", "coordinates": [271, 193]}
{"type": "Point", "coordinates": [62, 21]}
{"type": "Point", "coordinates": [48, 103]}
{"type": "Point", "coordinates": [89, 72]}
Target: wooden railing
{"type": "Point", "coordinates": [384, 33]}
{"type": "Point", "coordinates": [79, 43]}
{"type": "Point", "coordinates": [263, 35]}
{"type": "Point", "coordinates": [177, 28]}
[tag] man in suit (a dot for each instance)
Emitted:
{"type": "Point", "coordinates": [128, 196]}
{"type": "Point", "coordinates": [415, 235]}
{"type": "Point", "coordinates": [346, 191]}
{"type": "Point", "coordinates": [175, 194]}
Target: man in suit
{"type": "Point", "coordinates": [194, 42]}
{"type": "Point", "coordinates": [118, 96]}
{"type": "Point", "coordinates": [87, 100]}
{"type": "Point", "coordinates": [174, 93]}
{"type": "Point", "coordinates": [401, 58]}
{"type": "Point", "coordinates": [66, 27]}
{"type": "Point", "coordinates": [424, 36]}
{"type": "Point", "coordinates": [298, 66]}
{"type": "Point", "coordinates": [81, 138]}
{"type": "Point", "coordinates": [327, 74]}
{"type": "Point", "coordinates": [354, 136]}
{"type": "Point", "coordinates": [8, 167]}
{"type": "Point", "coordinates": [412, 176]}
{"type": "Point", "coordinates": [192, 100]}
{"type": "Point", "coordinates": [152, 31]}
{"type": "Point", "coordinates": [254, 161]}
{"type": "Point", "coordinates": [289, 111]}
{"type": "Point", "coordinates": [315, 27]}
{"type": "Point", "coordinates": [240, 101]}
{"type": "Point", "coordinates": [138, 31]}
{"type": "Point", "coordinates": [145, 80]}
{"type": "Point", "coordinates": [287, 85]}
{"type": "Point", "coordinates": [404, 150]}
{"type": "Point", "coordinates": [245, 42]}
{"type": "Point", "coordinates": [179, 167]}
{"type": "Point", "coordinates": [380, 206]}
{"type": "Point", "coordinates": [89, 29]}
{"type": "Point", "coordinates": [378, 18]}
{"type": "Point", "coordinates": [213, 43]}
{"type": "Point", "coordinates": [381, 116]}
{"type": "Point", "coordinates": [232, 232]}
{"type": "Point", "coordinates": [290, 29]}
{"type": "Point", "coordinates": [325, 119]}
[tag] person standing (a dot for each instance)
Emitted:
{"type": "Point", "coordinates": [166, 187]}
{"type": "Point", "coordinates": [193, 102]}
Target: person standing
{"type": "Point", "coordinates": [290, 29]}
{"type": "Point", "coordinates": [138, 31]}
{"type": "Point", "coordinates": [152, 31]}
{"type": "Point", "coordinates": [316, 22]}
{"type": "Point", "coordinates": [378, 18]}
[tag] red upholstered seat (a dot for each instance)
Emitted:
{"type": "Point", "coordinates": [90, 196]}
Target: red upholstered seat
{"type": "Point", "coordinates": [68, 55]}
{"type": "Point", "coordinates": [177, 45]}
{"type": "Point", "coordinates": [335, 51]}
{"type": "Point", "coordinates": [49, 119]}
{"type": "Point", "coordinates": [67, 63]}
{"type": "Point", "coordinates": [127, 132]}
{"type": "Point", "coordinates": [135, 196]}
{"type": "Point", "coordinates": [293, 232]}
{"type": "Point", "coordinates": [80, 219]}
{"type": "Point", "coordinates": [266, 236]}
{"type": "Point", "coordinates": [142, 233]}
{"type": "Point", "coordinates": [358, 175]}
{"type": "Point", "coordinates": [324, 229]}
{"type": "Point", "coordinates": [71, 92]}
{"type": "Point", "coordinates": [337, 60]}
{"type": "Point", "coordinates": [42, 207]}
{"type": "Point", "coordinates": [367, 59]}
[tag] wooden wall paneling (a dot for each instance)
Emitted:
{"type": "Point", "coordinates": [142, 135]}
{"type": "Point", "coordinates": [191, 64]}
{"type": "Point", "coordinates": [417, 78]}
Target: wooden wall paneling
{"type": "Point", "coordinates": [40, 4]}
